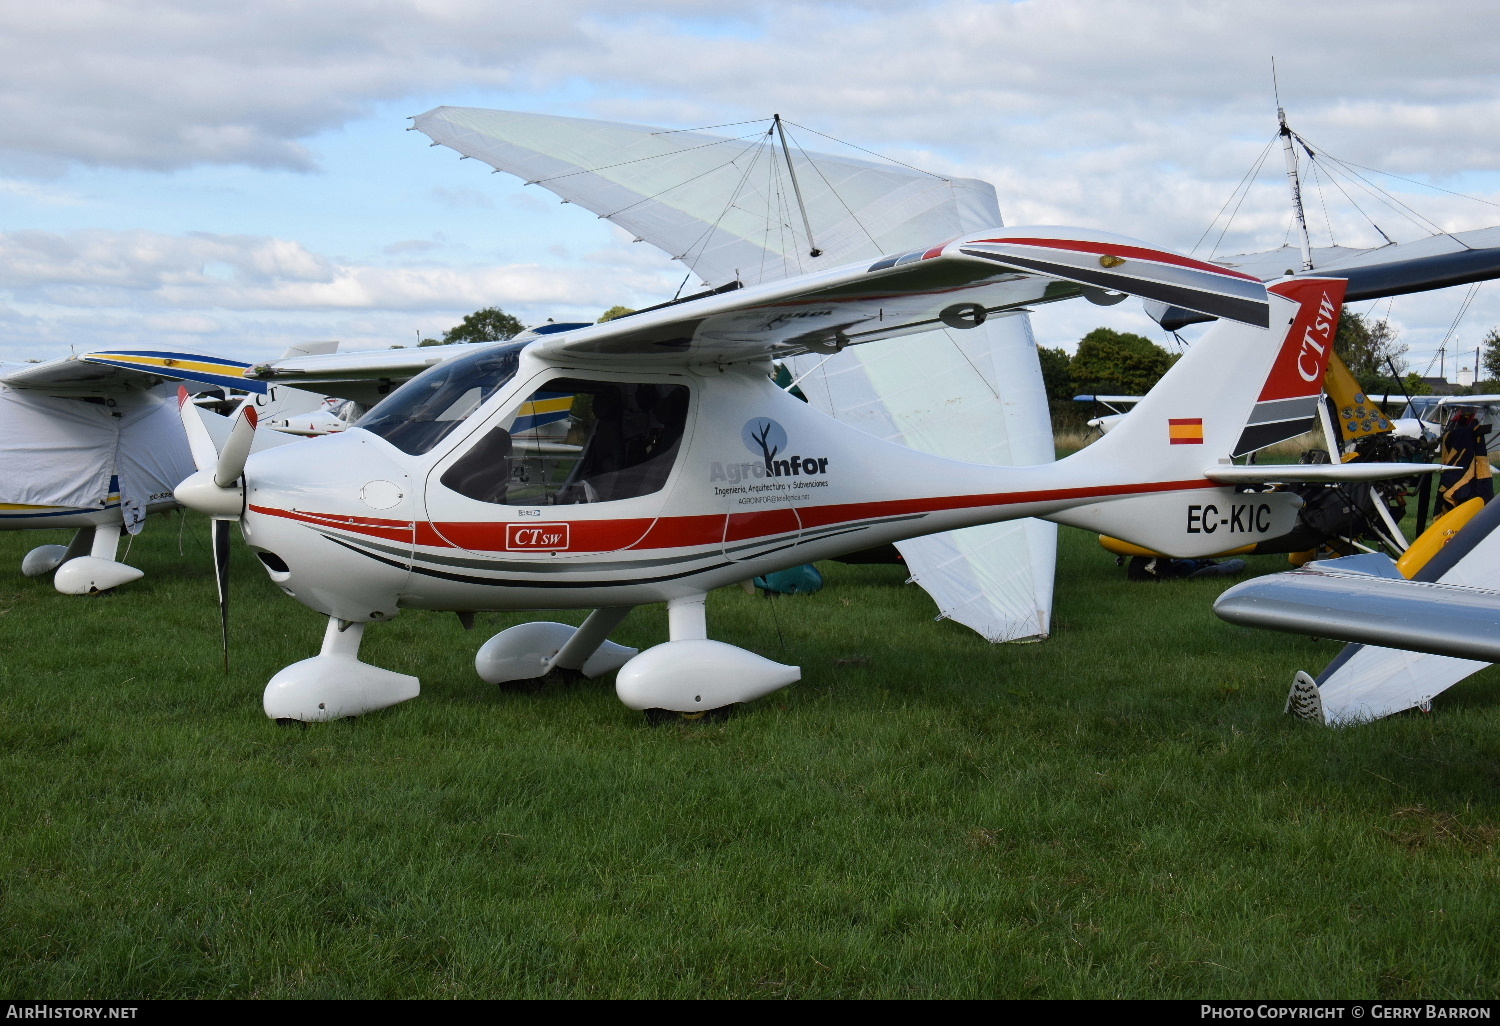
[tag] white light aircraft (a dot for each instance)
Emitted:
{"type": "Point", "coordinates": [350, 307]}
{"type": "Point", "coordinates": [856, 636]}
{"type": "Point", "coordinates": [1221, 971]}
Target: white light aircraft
{"type": "Point", "coordinates": [695, 471]}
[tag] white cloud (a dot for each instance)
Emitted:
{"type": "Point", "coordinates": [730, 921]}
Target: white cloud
{"type": "Point", "coordinates": [1136, 116]}
{"type": "Point", "coordinates": [95, 287]}
{"type": "Point", "coordinates": [105, 268]}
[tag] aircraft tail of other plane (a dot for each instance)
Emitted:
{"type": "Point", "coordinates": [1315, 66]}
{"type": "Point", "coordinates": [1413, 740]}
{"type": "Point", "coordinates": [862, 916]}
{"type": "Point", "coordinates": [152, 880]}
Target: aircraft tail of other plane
{"type": "Point", "coordinates": [1239, 389]}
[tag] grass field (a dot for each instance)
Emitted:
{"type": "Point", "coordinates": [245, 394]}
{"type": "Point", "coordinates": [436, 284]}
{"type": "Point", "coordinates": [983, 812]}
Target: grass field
{"type": "Point", "coordinates": [1121, 810]}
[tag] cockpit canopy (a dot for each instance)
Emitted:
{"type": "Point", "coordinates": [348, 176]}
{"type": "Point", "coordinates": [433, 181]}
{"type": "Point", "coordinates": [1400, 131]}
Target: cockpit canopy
{"type": "Point", "coordinates": [422, 412]}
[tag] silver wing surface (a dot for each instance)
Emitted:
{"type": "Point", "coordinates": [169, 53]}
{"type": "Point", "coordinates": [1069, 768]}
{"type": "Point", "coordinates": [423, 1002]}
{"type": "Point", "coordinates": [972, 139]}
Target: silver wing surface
{"type": "Point", "coordinates": [1413, 639]}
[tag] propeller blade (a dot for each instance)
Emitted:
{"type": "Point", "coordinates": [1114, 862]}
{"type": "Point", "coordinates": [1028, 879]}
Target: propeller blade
{"type": "Point", "coordinates": [219, 534]}
{"type": "Point", "coordinates": [231, 462]}
{"type": "Point", "coordinates": [200, 443]}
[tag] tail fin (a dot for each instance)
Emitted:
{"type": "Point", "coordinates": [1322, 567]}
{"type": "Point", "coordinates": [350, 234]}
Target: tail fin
{"type": "Point", "coordinates": [1239, 389]}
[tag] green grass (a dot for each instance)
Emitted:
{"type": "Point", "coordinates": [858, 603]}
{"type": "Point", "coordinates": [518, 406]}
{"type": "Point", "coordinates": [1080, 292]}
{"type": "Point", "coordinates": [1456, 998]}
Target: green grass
{"type": "Point", "coordinates": [1121, 810]}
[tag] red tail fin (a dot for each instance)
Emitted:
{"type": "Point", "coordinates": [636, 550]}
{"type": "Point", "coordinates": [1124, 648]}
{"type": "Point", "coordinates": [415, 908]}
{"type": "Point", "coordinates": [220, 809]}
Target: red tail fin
{"type": "Point", "coordinates": [1288, 404]}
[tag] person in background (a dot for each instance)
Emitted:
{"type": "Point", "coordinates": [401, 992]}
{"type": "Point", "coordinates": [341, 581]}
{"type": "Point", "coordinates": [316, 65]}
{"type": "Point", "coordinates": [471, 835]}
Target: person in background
{"type": "Point", "coordinates": [1464, 449]}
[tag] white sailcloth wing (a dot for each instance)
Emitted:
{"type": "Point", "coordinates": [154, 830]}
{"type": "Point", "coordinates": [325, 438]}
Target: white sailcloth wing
{"type": "Point", "coordinates": [724, 205]}
{"type": "Point", "coordinates": [747, 208]}
{"type": "Point", "coordinates": [977, 396]}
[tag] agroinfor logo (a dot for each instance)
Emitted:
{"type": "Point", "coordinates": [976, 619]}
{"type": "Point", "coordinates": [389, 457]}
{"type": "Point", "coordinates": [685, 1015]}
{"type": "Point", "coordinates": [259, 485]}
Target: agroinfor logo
{"type": "Point", "coordinates": [767, 439]}
{"type": "Point", "coordinates": [548, 537]}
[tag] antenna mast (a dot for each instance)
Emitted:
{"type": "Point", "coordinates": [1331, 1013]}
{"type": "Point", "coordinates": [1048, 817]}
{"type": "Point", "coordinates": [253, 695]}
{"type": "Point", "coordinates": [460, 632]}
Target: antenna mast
{"type": "Point", "coordinates": [812, 246]}
{"type": "Point", "coordinates": [1291, 173]}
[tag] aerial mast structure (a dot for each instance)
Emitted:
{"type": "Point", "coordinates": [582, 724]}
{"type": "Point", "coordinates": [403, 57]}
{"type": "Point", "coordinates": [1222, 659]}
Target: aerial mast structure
{"type": "Point", "coordinates": [1290, 152]}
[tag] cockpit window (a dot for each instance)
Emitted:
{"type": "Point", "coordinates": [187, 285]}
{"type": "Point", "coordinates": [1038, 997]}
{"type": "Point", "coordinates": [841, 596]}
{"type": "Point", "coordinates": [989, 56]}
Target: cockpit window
{"type": "Point", "coordinates": [421, 413]}
{"type": "Point", "coordinates": [575, 441]}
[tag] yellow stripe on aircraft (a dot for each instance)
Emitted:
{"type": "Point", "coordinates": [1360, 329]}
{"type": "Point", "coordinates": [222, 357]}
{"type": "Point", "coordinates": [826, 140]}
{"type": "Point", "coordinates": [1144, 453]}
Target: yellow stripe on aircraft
{"type": "Point", "coordinates": [541, 406]}
{"type": "Point", "coordinates": [171, 363]}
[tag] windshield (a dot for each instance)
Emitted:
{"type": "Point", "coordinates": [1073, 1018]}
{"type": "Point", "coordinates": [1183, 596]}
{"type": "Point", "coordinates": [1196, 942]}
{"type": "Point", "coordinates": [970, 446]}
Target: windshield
{"type": "Point", "coordinates": [422, 412]}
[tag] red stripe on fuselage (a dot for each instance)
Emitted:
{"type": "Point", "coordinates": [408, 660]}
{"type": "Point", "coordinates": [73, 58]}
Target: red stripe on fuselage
{"type": "Point", "coordinates": [705, 529]}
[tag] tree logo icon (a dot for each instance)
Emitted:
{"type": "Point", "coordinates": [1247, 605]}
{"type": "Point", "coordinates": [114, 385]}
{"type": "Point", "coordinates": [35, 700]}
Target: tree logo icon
{"type": "Point", "coordinates": [765, 438]}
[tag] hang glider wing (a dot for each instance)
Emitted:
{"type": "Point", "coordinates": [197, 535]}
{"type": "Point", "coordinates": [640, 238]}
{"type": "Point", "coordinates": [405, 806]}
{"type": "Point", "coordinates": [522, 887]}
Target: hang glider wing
{"type": "Point", "coordinates": [1437, 262]}
{"type": "Point", "coordinates": [731, 208]}
{"type": "Point", "coordinates": [108, 370]}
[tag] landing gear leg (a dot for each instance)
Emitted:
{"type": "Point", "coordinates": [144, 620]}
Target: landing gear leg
{"type": "Point", "coordinates": [530, 656]}
{"type": "Point", "coordinates": [334, 683]}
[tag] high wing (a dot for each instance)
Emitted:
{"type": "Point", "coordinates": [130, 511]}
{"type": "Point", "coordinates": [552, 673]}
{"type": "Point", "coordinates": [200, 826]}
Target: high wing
{"type": "Point", "coordinates": [956, 284]}
{"type": "Point", "coordinates": [365, 377]}
{"type": "Point", "coordinates": [1436, 262]}
{"type": "Point", "coordinates": [107, 370]}
{"type": "Point", "coordinates": [368, 376]}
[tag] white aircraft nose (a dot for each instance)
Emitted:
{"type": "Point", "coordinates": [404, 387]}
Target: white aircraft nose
{"type": "Point", "coordinates": [334, 510]}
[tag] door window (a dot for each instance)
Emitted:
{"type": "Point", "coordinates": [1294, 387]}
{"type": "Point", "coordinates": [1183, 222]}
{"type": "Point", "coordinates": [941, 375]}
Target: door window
{"type": "Point", "coordinates": [576, 441]}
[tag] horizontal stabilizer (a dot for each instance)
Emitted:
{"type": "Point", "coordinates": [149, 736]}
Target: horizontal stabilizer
{"type": "Point", "coordinates": [1315, 473]}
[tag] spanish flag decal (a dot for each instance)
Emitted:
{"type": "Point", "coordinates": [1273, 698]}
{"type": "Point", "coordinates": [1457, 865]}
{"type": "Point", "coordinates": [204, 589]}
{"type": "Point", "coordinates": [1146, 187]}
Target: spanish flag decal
{"type": "Point", "coordinates": [1186, 432]}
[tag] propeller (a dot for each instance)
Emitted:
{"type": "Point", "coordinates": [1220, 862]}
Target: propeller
{"type": "Point", "coordinates": [217, 489]}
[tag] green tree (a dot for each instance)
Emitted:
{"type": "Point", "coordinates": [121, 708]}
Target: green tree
{"type": "Point", "coordinates": [1415, 385]}
{"type": "Point", "coordinates": [1057, 374]}
{"type": "Point", "coordinates": [1057, 379]}
{"type": "Point", "coordinates": [1369, 350]}
{"type": "Point", "coordinates": [1489, 355]}
{"type": "Point", "coordinates": [488, 325]}
{"type": "Point", "coordinates": [613, 312]}
{"type": "Point", "coordinates": [1112, 362]}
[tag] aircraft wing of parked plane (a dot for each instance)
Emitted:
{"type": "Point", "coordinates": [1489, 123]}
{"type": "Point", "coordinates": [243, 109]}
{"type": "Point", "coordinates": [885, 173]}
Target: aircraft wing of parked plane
{"type": "Point", "coordinates": [90, 442]}
{"type": "Point", "coordinates": [1436, 262]}
{"type": "Point", "coordinates": [1410, 639]}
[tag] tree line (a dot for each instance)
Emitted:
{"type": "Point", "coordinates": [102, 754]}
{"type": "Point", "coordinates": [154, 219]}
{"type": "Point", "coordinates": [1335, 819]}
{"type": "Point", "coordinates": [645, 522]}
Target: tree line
{"type": "Point", "coordinates": [493, 324]}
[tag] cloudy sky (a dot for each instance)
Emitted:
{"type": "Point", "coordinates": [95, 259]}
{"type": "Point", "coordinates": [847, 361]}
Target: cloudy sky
{"type": "Point", "coordinates": [236, 178]}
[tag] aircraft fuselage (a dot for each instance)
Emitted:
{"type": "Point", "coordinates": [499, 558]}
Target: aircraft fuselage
{"type": "Point", "coordinates": [354, 527]}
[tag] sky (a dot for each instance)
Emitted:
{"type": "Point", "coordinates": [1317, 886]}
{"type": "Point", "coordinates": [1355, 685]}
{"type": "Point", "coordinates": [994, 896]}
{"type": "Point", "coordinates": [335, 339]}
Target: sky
{"type": "Point", "coordinates": [237, 178]}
